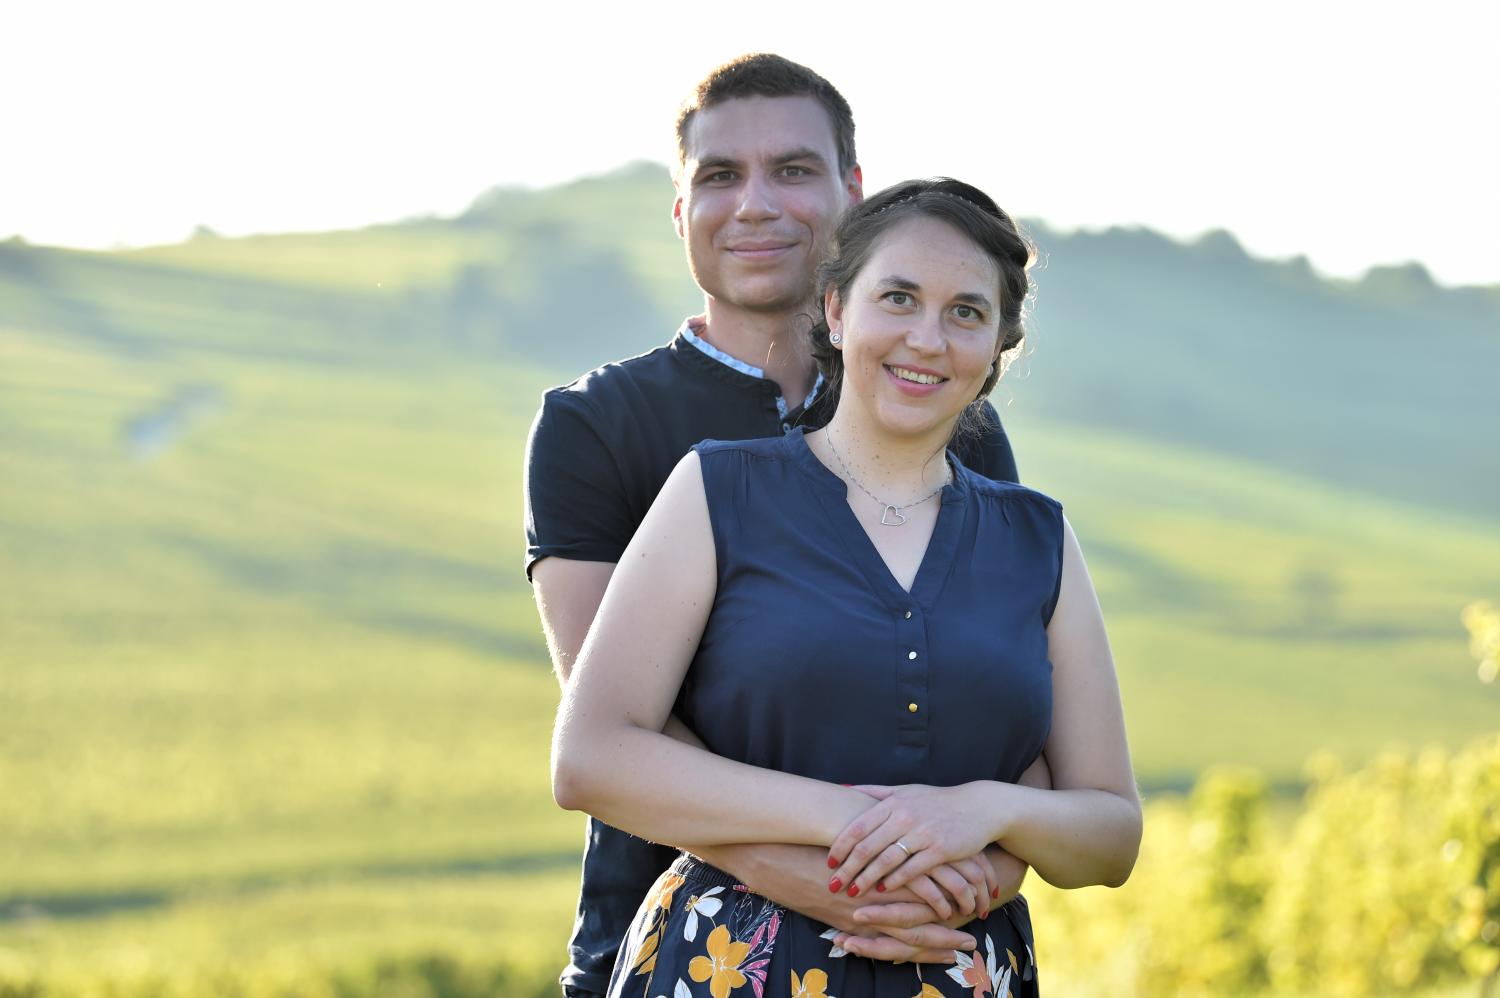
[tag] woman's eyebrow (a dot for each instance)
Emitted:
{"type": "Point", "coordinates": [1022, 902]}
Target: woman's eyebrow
{"type": "Point", "coordinates": [897, 283]}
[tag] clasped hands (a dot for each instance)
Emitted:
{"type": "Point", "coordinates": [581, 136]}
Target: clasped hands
{"type": "Point", "coordinates": [931, 842]}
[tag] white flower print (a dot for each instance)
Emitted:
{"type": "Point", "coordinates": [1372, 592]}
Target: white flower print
{"type": "Point", "coordinates": [704, 904]}
{"type": "Point", "coordinates": [985, 978]}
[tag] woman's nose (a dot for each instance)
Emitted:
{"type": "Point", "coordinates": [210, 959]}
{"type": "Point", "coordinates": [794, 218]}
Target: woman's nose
{"type": "Point", "coordinates": [925, 334]}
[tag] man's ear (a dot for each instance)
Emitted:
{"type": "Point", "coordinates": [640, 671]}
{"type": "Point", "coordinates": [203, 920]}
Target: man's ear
{"type": "Point", "coordinates": [855, 185]}
{"type": "Point", "coordinates": [677, 214]}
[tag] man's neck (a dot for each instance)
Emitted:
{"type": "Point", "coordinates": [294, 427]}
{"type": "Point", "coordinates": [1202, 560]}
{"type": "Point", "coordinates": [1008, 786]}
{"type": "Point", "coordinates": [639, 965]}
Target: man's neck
{"type": "Point", "coordinates": [771, 341]}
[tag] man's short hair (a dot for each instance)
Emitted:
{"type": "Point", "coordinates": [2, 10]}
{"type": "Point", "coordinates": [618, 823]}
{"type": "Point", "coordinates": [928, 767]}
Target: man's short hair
{"type": "Point", "coordinates": [765, 75]}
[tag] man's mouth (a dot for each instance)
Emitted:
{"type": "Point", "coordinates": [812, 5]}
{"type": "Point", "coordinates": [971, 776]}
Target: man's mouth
{"type": "Point", "coordinates": [916, 377]}
{"type": "Point", "coordinates": [759, 250]}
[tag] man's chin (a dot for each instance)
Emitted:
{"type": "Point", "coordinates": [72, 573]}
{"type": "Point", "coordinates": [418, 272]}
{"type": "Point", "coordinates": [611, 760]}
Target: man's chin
{"type": "Point", "coordinates": [769, 300]}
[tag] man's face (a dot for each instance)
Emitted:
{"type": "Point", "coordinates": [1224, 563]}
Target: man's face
{"type": "Point", "coordinates": [757, 197]}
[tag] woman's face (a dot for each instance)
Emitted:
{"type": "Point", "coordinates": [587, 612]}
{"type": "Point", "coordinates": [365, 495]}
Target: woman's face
{"type": "Point", "coordinates": [920, 326]}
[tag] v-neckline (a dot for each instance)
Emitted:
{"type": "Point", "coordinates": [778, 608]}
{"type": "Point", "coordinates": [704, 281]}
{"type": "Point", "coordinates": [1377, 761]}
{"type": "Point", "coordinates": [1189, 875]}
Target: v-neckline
{"type": "Point", "coordinates": [937, 559]}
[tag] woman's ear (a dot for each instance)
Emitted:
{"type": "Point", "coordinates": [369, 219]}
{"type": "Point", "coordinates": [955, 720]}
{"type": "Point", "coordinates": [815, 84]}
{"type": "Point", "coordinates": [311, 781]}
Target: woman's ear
{"type": "Point", "coordinates": [833, 311]}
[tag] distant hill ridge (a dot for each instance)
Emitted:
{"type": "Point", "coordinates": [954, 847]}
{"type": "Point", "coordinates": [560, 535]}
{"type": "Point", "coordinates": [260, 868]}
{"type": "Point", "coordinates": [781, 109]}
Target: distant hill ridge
{"type": "Point", "coordinates": [1385, 383]}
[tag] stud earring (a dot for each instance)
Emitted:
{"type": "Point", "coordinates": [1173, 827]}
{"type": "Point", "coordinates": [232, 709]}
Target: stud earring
{"type": "Point", "coordinates": [835, 338]}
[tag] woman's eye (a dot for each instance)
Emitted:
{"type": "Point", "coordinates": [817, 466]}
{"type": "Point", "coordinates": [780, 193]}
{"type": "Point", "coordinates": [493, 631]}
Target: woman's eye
{"type": "Point", "coordinates": [898, 298]}
{"type": "Point", "coordinates": [968, 313]}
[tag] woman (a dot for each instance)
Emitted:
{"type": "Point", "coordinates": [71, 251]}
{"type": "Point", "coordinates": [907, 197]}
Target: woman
{"type": "Point", "coordinates": [848, 606]}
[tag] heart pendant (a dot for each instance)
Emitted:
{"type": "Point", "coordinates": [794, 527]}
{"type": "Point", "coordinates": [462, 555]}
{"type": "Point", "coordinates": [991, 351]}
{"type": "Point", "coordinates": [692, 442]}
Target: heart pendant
{"type": "Point", "coordinates": [891, 511]}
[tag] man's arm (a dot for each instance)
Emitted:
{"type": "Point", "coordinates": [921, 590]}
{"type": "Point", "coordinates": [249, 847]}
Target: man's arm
{"type": "Point", "coordinates": [567, 598]}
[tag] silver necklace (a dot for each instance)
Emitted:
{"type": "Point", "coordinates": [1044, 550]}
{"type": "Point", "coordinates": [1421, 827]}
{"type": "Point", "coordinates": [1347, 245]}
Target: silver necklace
{"type": "Point", "coordinates": [891, 516]}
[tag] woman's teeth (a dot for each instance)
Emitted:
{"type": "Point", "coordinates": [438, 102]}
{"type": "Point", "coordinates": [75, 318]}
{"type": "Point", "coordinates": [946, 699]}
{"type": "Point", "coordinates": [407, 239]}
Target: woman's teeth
{"type": "Point", "coordinates": [921, 379]}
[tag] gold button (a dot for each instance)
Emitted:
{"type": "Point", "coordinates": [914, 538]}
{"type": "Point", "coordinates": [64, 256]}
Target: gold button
{"type": "Point", "coordinates": [911, 707]}
{"type": "Point", "coordinates": [911, 654]}
{"type": "Point", "coordinates": [908, 614]}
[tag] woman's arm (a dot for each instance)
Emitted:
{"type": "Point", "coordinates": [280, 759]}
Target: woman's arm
{"type": "Point", "coordinates": [1087, 830]}
{"type": "Point", "coordinates": [610, 757]}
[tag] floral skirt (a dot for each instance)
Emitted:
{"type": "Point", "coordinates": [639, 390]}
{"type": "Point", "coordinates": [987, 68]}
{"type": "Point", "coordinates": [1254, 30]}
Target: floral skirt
{"type": "Point", "coordinates": [702, 934]}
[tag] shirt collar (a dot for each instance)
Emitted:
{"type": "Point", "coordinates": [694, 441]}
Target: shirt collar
{"type": "Point", "coordinates": [689, 332]}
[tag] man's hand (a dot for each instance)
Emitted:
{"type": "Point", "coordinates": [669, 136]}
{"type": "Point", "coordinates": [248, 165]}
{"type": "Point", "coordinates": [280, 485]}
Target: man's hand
{"type": "Point", "coordinates": [900, 927]}
{"type": "Point", "coordinates": [914, 942]}
{"type": "Point", "coordinates": [795, 877]}
{"type": "Point", "coordinates": [904, 930]}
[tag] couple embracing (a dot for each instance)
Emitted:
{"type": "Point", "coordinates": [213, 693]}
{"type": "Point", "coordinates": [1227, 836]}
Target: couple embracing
{"type": "Point", "coordinates": [811, 633]}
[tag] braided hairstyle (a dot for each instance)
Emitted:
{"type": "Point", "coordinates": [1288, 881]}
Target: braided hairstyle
{"type": "Point", "coordinates": [967, 209]}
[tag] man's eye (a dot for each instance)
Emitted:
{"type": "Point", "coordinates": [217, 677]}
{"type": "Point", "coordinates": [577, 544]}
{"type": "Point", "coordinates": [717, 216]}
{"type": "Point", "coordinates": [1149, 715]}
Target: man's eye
{"type": "Point", "coordinates": [722, 177]}
{"type": "Point", "coordinates": [796, 171]}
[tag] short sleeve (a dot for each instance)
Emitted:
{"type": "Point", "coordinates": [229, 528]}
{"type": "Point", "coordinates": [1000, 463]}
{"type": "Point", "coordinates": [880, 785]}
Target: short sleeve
{"type": "Point", "coordinates": [576, 503]}
{"type": "Point", "coordinates": [989, 453]}
{"type": "Point", "coordinates": [1053, 533]}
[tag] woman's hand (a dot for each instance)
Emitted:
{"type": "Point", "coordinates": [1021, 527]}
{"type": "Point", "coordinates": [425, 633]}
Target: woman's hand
{"type": "Point", "coordinates": [933, 826]}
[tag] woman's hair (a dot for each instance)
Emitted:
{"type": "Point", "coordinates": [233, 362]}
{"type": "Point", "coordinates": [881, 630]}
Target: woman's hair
{"type": "Point", "coordinates": [967, 209]}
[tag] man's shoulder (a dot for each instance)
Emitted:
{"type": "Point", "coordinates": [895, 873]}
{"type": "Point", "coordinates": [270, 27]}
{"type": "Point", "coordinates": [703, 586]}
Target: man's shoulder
{"type": "Point", "coordinates": [607, 385]}
{"type": "Point", "coordinates": [1001, 489]}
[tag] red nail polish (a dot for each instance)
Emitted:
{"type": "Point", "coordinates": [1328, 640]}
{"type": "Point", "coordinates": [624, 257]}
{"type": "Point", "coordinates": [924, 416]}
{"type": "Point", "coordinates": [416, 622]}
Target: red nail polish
{"type": "Point", "coordinates": [854, 890]}
{"type": "Point", "coordinates": [985, 913]}
{"type": "Point", "coordinates": [880, 888]}
{"type": "Point", "coordinates": [835, 885]}
{"type": "Point", "coordinates": [846, 784]}
{"type": "Point", "coordinates": [994, 894]}
{"type": "Point", "coordinates": [833, 864]}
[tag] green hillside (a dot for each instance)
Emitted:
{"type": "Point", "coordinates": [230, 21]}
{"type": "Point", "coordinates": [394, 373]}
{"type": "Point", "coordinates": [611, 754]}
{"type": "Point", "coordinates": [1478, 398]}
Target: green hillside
{"type": "Point", "coordinates": [271, 678]}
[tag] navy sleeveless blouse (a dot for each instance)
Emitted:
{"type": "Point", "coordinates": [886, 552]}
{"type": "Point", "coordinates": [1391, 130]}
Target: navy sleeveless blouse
{"type": "Point", "coordinates": [816, 662]}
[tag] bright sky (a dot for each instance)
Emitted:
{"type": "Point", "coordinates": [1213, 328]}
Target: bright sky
{"type": "Point", "coordinates": [1355, 132]}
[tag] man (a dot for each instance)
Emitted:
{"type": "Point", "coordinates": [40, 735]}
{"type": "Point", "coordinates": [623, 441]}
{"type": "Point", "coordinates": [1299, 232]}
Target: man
{"type": "Point", "coordinates": [766, 165]}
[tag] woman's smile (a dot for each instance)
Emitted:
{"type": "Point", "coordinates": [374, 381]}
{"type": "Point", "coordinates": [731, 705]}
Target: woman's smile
{"type": "Point", "coordinates": [914, 381]}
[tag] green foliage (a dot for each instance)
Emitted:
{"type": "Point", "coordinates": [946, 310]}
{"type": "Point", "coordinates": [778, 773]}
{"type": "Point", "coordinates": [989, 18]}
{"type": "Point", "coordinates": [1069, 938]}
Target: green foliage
{"type": "Point", "coordinates": [1383, 880]}
{"type": "Point", "coordinates": [1221, 876]}
{"type": "Point", "coordinates": [1483, 621]}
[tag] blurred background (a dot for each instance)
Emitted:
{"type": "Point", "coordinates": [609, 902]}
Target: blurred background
{"type": "Point", "coordinates": [280, 287]}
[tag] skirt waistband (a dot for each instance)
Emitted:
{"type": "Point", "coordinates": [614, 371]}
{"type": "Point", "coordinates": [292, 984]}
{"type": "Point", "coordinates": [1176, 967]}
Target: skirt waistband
{"type": "Point", "coordinates": [690, 867]}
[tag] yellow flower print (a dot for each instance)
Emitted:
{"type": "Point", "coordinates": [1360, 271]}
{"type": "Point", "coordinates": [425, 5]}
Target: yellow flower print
{"type": "Point", "coordinates": [663, 889]}
{"type": "Point", "coordinates": [721, 968]}
{"type": "Point", "coordinates": [658, 902]}
{"type": "Point", "coordinates": [928, 991]}
{"type": "Point", "coordinates": [813, 984]}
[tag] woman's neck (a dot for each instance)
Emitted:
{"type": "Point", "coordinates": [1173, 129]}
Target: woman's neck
{"type": "Point", "coordinates": [896, 468]}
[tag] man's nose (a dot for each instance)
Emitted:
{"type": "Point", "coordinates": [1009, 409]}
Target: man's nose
{"type": "Point", "coordinates": [758, 199]}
